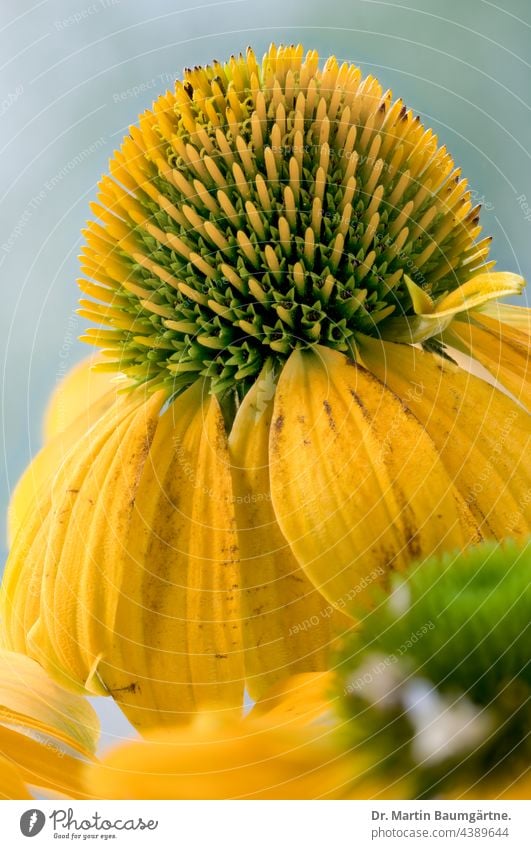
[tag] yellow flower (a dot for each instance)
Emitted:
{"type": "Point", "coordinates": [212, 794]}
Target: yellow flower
{"type": "Point", "coordinates": [281, 254]}
{"type": "Point", "coordinates": [46, 734]}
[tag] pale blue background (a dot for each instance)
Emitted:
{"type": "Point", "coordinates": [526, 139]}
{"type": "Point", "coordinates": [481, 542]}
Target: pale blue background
{"type": "Point", "coordinates": [463, 66]}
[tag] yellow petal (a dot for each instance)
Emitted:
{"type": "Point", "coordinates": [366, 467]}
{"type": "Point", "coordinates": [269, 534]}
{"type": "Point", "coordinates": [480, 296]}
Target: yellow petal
{"type": "Point", "coordinates": [208, 760]}
{"type": "Point", "coordinates": [40, 724]}
{"type": "Point", "coordinates": [357, 485]}
{"type": "Point", "coordinates": [518, 318]}
{"type": "Point", "coordinates": [177, 639]}
{"type": "Point", "coordinates": [435, 318]}
{"type": "Point", "coordinates": [288, 626]}
{"type": "Point", "coordinates": [30, 699]}
{"type": "Point", "coordinates": [84, 564]}
{"type": "Point", "coordinates": [62, 430]}
{"type": "Point", "coordinates": [125, 579]}
{"type": "Point", "coordinates": [480, 433]}
{"type": "Point", "coordinates": [78, 395]}
{"type": "Point", "coordinates": [299, 699]}
{"type": "Point", "coordinates": [12, 784]}
{"type": "Point", "coordinates": [44, 764]}
{"type": "Point", "coordinates": [480, 290]}
{"type": "Point", "coordinates": [504, 351]}
{"type": "Point", "coordinates": [27, 586]}
{"type": "Point", "coordinates": [422, 303]}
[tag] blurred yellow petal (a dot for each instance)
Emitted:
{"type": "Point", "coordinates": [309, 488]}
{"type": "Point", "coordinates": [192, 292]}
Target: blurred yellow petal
{"type": "Point", "coordinates": [288, 626]}
{"type": "Point", "coordinates": [30, 698]}
{"type": "Point", "coordinates": [42, 727]}
{"type": "Point", "coordinates": [12, 784]}
{"type": "Point", "coordinates": [77, 403]}
{"type": "Point", "coordinates": [356, 482]}
{"type": "Point", "coordinates": [479, 290]}
{"type": "Point", "coordinates": [208, 760]}
{"type": "Point", "coordinates": [42, 763]}
{"type": "Point", "coordinates": [81, 395]}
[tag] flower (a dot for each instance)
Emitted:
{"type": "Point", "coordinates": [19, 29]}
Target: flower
{"type": "Point", "coordinates": [439, 677]}
{"type": "Point", "coordinates": [281, 254]}
{"type": "Point", "coordinates": [46, 734]}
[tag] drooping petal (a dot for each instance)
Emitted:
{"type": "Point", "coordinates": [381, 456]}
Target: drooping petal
{"type": "Point", "coordinates": [504, 351]}
{"type": "Point", "coordinates": [287, 625]}
{"type": "Point", "coordinates": [126, 578]}
{"type": "Point", "coordinates": [479, 432]}
{"type": "Point", "coordinates": [27, 592]}
{"type": "Point", "coordinates": [356, 482]}
{"type": "Point", "coordinates": [176, 646]}
{"type": "Point", "coordinates": [83, 590]}
{"type": "Point", "coordinates": [78, 401]}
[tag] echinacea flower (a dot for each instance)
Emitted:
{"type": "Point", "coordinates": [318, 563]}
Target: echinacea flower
{"type": "Point", "coordinates": [439, 676]}
{"type": "Point", "coordinates": [282, 253]}
{"type": "Point", "coordinates": [47, 736]}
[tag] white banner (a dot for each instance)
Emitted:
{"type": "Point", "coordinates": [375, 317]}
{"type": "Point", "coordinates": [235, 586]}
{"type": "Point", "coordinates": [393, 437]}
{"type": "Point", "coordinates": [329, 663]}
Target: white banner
{"type": "Point", "coordinates": [266, 825]}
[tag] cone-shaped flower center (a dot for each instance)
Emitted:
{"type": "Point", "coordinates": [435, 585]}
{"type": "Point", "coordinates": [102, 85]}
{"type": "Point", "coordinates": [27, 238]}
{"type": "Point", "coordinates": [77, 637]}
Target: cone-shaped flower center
{"type": "Point", "coordinates": [258, 209]}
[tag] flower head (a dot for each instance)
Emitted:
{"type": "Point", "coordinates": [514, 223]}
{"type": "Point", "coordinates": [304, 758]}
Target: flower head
{"type": "Point", "coordinates": [283, 257]}
{"type": "Point", "coordinates": [257, 210]}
